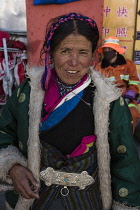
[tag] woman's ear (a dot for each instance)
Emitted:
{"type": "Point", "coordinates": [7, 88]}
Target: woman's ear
{"type": "Point", "coordinates": [50, 61]}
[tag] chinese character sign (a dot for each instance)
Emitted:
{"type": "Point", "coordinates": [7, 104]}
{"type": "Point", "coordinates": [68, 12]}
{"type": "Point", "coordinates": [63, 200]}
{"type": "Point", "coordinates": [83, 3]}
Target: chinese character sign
{"type": "Point", "coordinates": [119, 20]}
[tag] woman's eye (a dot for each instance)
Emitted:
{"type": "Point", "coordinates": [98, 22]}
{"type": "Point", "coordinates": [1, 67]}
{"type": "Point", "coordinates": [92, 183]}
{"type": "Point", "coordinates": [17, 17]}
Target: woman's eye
{"type": "Point", "coordinates": [83, 52]}
{"type": "Point", "coordinates": [65, 51]}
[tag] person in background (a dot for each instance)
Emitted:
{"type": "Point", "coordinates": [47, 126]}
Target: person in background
{"type": "Point", "coordinates": [67, 144]}
{"type": "Point", "coordinates": [120, 71]}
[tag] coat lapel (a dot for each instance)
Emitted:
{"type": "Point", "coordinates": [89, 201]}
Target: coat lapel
{"type": "Point", "coordinates": [105, 93]}
{"type": "Point", "coordinates": [35, 107]}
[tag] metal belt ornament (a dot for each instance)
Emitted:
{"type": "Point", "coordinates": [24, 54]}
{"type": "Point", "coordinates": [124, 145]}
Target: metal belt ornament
{"type": "Point", "coordinates": [51, 176]}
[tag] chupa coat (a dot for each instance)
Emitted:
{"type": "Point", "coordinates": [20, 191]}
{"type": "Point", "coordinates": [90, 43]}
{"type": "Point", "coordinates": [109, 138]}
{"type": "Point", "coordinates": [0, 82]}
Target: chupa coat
{"type": "Point", "coordinates": [118, 161]}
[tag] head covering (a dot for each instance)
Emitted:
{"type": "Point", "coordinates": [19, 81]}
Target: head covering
{"type": "Point", "coordinates": [53, 27]}
{"type": "Point", "coordinates": [112, 42]}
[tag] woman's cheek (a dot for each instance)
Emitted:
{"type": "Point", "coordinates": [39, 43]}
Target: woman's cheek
{"type": "Point", "coordinates": [86, 62]}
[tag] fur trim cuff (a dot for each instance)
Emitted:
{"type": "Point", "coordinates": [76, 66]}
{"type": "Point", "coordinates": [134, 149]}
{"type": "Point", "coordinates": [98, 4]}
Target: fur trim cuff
{"type": "Point", "coordinates": [9, 157]}
{"type": "Point", "coordinates": [121, 206]}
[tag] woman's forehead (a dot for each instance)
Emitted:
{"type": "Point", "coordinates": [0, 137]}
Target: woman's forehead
{"type": "Point", "coordinates": [75, 41]}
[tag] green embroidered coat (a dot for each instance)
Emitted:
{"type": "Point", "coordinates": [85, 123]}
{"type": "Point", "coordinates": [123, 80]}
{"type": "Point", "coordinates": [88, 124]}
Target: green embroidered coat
{"type": "Point", "coordinates": [118, 161]}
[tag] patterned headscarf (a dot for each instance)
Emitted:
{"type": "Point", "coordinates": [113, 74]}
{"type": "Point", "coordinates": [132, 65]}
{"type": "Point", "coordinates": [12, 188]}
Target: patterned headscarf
{"type": "Point", "coordinates": [54, 26]}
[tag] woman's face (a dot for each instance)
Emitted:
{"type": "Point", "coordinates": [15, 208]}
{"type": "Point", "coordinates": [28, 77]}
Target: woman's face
{"type": "Point", "coordinates": [72, 58]}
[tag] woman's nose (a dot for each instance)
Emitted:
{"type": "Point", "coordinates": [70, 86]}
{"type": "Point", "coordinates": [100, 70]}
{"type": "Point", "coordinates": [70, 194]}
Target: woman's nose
{"type": "Point", "coordinates": [73, 60]}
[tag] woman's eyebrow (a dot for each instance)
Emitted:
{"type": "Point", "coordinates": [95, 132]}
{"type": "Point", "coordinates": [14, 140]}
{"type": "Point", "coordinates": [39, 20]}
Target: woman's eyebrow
{"type": "Point", "coordinates": [65, 48]}
{"type": "Point", "coordinates": [87, 50]}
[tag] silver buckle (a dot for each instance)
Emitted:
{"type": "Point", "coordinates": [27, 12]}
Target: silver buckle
{"type": "Point", "coordinates": [51, 176]}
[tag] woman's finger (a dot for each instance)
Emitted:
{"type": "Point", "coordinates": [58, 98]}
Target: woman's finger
{"type": "Point", "coordinates": [24, 182]}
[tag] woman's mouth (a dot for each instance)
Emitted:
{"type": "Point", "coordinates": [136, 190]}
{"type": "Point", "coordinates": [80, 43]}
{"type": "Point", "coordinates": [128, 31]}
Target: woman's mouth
{"type": "Point", "coordinates": [72, 72]}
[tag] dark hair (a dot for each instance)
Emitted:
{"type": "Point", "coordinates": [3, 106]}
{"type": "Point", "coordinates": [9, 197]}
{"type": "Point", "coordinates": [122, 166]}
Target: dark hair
{"type": "Point", "coordinates": [73, 26]}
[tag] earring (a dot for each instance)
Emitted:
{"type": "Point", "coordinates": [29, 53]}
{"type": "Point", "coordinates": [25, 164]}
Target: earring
{"type": "Point", "coordinates": [51, 64]}
{"type": "Point", "coordinates": [50, 61]}
{"type": "Point", "coordinates": [92, 58]}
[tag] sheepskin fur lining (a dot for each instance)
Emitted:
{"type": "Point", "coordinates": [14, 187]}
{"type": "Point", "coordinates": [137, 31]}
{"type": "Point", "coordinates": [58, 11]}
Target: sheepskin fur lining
{"type": "Point", "coordinates": [119, 206]}
{"type": "Point", "coordinates": [35, 107]}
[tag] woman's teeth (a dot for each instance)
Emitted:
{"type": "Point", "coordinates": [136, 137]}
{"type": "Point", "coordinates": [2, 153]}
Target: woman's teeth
{"type": "Point", "coordinates": [72, 72]}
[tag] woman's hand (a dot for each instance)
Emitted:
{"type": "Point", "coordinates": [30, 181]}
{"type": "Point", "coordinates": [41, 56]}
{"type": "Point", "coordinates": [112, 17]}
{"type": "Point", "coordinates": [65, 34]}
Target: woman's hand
{"type": "Point", "coordinates": [24, 182]}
